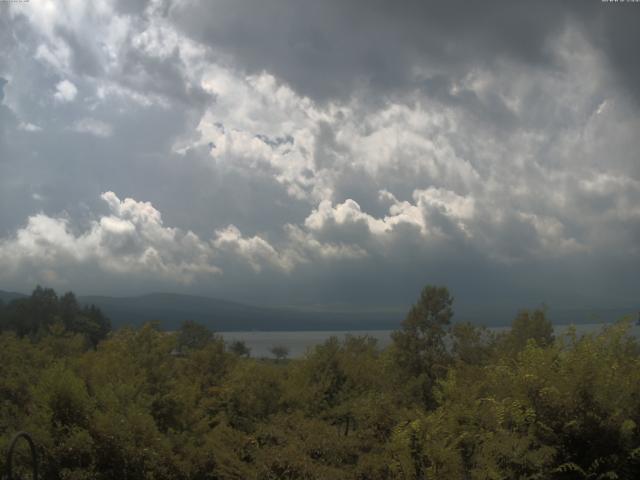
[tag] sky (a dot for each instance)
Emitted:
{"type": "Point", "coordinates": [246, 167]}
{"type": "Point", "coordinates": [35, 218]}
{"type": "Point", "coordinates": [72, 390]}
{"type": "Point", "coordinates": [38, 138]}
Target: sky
{"type": "Point", "coordinates": [322, 152]}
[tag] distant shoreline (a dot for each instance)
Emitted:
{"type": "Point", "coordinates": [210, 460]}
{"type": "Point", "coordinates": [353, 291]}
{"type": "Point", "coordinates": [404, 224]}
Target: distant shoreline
{"type": "Point", "coordinates": [299, 341]}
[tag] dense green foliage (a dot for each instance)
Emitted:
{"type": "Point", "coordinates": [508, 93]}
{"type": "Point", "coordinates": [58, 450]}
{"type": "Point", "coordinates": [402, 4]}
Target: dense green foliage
{"type": "Point", "coordinates": [446, 402]}
{"type": "Point", "coordinates": [44, 312]}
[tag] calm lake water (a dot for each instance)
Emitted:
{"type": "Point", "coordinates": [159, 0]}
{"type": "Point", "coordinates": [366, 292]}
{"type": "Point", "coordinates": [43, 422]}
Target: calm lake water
{"type": "Point", "coordinates": [298, 342]}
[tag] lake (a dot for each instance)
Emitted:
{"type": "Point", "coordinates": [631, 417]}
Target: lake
{"type": "Point", "coordinates": [298, 342]}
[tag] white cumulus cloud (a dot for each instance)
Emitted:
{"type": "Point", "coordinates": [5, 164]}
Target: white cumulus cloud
{"type": "Point", "coordinates": [65, 91]}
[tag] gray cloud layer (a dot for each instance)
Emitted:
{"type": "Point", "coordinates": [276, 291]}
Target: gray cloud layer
{"type": "Point", "coordinates": [322, 152]}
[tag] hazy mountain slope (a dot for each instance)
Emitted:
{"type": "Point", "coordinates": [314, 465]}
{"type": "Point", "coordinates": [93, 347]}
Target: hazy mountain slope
{"type": "Point", "coordinates": [6, 297]}
{"type": "Point", "coordinates": [171, 309]}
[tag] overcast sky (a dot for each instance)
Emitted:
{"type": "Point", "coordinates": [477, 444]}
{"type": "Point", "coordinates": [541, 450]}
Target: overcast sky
{"type": "Point", "coordinates": [322, 152]}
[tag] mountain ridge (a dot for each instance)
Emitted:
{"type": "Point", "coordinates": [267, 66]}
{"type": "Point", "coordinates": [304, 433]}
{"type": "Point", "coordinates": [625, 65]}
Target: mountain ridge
{"type": "Point", "coordinates": [171, 309]}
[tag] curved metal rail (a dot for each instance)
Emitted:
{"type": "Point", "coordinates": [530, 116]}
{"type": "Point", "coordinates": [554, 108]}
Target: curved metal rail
{"type": "Point", "coordinates": [34, 455]}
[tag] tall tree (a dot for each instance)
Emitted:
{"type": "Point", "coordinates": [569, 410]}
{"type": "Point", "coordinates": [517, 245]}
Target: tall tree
{"type": "Point", "coordinates": [93, 323]}
{"type": "Point", "coordinates": [529, 326]}
{"type": "Point", "coordinates": [68, 309]}
{"type": "Point", "coordinates": [280, 352]}
{"type": "Point", "coordinates": [471, 344]}
{"type": "Point", "coordinates": [419, 347]}
{"type": "Point", "coordinates": [239, 347]}
{"type": "Point", "coordinates": [193, 335]}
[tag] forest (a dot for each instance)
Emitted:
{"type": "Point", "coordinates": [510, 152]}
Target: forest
{"type": "Point", "coordinates": [445, 401]}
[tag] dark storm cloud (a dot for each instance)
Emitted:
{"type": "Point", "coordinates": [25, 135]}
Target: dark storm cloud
{"type": "Point", "coordinates": [162, 76]}
{"type": "Point", "coordinates": [84, 61]}
{"type": "Point", "coordinates": [326, 49]}
{"type": "Point", "coordinates": [614, 27]}
{"type": "Point", "coordinates": [322, 152]}
{"type": "Point", "coordinates": [131, 7]}
{"type": "Point", "coordinates": [442, 89]}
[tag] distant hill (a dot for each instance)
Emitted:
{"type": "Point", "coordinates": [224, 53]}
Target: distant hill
{"type": "Point", "coordinates": [499, 316]}
{"type": "Point", "coordinates": [6, 297]}
{"type": "Point", "coordinates": [170, 310]}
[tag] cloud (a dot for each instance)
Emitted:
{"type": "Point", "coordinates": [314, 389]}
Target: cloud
{"type": "Point", "coordinates": [437, 216]}
{"type": "Point", "coordinates": [130, 240]}
{"type": "Point", "coordinates": [93, 126]}
{"type": "Point", "coordinates": [3, 82]}
{"type": "Point", "coordinates": [29, 127]}
{"type": "Point", "coordinates": [65, 91]}
{"type": "Point", "coordinates": [329, 49]}
{"type": "Point", "coordinates": [321, 152]}
{"type": "Point", "coordinates": [255, 250]}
